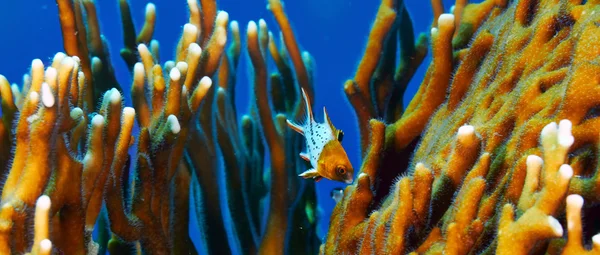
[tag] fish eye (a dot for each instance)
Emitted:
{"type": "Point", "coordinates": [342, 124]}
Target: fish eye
{"type": "Point", "coordinates": [340, 136]}
{"type": "Point", "coordinates": [341, 170]}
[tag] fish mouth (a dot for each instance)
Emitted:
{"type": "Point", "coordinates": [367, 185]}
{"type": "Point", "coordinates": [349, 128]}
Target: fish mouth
{"type": "Point", "coordinates": [349, 181]}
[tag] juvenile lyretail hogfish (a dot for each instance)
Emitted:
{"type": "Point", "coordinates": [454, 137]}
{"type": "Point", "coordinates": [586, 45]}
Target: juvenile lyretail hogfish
{"type": "Point", "coordinates": [324, 149]}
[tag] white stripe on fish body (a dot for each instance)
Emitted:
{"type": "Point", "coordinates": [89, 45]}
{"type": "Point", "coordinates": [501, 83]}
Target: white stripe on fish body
{"type": "Point", "coordinates": [317, 135]}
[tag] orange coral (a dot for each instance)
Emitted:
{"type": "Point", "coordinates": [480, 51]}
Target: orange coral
{"type": "Point", "coordinates": [79, 159]}
{"type": "Point", "coordinates": [500, 140]}
{"type": "Point", "coordinates": [463, 153]}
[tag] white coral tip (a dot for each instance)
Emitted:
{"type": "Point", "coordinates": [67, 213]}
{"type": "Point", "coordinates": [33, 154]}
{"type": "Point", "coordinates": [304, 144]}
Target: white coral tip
{"type": "Point", "coordinates": [190, 29]}
{"type": "Point", "coordinates": [466, 130]}
{"type": "Point", "coordinates": [195, 48]}
{"type": "Point", "coordinates": [252, 27]}
{"type": "Point", "coordinates": [115, 96]}
{"type": "Point", "coordinates": [596, 239]}
{"type": "Point", "coordinates": [76, 113]}
{"type": "Point", "coordinates": [565, 138]}
{"type": "Point", "coordinates": [174, 124]}
{"type": "Point", "coordinates": [47, 97]}
{"type": "Point", "coordinates": [206, 81]}
{"type": "Point", "coordinates": [142, 47]}
{"type": "Point", "coordinates": [138, 68]}
{"type": "Point", "coordinates": [98, 120]}
{"type": "Point", "coordinates": [43, 203]}
{"type": "Point", "coordinates": [550, 129]}
{"type": "Point", "coordinates": [534, 161]}
{"type": "Point", "coordinates": [555, 225]}
{"type": "Point", "coordinates": [45, 246]}
{"type": "Point", "coordinates": [575, 200]}
{"type": "Point", "coordinates": [234, 26]}
{"type": "Point", "coordinates": [175, 75]}
{"type": "Point", "coordinates": [150, 8]}
{"type": "Point", "coordinates": [566, 171]}
{"type": "Point", "coordinates": [129, 112]}
{"type": "Point", "coordinates": [446, 19]}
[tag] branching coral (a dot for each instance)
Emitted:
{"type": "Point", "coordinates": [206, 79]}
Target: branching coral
{"type": "Point", "coordinates": [500, 140]}
{"type": "Point", "coordinates": [468, 174]}
{"type": "Point", "coordinates": [73, 136]}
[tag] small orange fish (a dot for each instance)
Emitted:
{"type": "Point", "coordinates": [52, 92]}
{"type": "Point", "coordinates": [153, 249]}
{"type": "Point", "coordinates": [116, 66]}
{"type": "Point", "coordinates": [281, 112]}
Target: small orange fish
{"type": "Point", "coordinates": [324, 149]}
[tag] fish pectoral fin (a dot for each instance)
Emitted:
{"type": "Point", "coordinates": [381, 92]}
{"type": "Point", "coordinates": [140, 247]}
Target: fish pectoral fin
{"type": "Point", "coordinates": [310, 173]}
{"type": "Point", "coordinates": [304, 156]}
{"type": "Point", "coordinates": [295, 127]}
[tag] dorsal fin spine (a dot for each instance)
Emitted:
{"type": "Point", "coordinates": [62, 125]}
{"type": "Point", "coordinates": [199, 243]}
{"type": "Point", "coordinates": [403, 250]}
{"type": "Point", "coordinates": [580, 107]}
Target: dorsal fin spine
{"type": "Point", "coordinates": [334, 130]}
{"type": "Point", "coordinates": [308, 108]}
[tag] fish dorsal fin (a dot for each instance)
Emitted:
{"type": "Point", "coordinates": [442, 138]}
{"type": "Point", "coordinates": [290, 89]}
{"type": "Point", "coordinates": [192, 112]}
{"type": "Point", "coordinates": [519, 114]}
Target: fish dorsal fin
{"type": "Point", "coordinates": [337, 134]}
{"type": "Point", "coordinates": [309, 112]}
{"type": "Point", "coordinates": [298, 125]}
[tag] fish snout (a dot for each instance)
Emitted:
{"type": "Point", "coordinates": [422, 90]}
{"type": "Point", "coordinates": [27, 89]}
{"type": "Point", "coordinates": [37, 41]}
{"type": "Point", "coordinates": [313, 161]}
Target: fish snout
{"type": "Point", "coordinates": [349, 177]}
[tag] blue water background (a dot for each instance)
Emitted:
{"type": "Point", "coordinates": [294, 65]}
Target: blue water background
{"type": "Point", "coordinates": [333, 31]}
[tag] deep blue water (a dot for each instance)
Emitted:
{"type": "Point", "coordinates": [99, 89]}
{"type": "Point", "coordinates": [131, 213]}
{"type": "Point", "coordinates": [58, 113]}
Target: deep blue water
{"type": "Point", "coordinates": [333, 31]}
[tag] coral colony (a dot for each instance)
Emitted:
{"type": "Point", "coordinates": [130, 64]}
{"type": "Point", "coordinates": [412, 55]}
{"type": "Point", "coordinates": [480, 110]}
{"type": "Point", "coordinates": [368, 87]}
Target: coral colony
{"type": "Point", "coordinates": [497, 153]}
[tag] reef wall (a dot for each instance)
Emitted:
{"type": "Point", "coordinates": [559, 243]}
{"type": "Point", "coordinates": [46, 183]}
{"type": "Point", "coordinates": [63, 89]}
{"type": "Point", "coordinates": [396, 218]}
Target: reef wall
{"type": "Point", "coordinates": [497, 151]}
